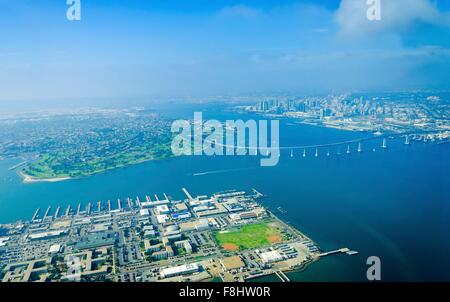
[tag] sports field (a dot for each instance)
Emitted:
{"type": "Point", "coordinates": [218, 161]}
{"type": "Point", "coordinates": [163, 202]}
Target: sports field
{"type": "Point", "coordinates": [248, 237]}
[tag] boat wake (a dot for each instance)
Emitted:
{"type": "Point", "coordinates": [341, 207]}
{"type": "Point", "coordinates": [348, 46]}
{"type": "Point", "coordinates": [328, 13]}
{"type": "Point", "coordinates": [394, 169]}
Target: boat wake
{"type": "Point", "coordinates": [220, 171]}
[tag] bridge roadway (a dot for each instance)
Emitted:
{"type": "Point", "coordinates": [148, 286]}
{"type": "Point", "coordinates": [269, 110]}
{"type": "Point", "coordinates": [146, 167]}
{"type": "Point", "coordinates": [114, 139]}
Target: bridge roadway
{"type": "Point", "coordinates": [347, 142]}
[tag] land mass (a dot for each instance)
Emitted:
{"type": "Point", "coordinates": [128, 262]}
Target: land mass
{"type": "Point", "coordinates": [62, 166]}
{"type": "Point", "coordinates": [82, 143]}
{"type": "Point", "coordinates": [165, 240]}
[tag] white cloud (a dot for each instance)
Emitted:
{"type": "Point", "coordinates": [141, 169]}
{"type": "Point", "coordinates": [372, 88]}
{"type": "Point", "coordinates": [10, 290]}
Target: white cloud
{"type": "Point", "coordinates": [396, 16]}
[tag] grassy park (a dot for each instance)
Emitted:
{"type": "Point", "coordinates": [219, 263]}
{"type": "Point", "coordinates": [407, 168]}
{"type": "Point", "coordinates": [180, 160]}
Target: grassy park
{"type": "Point", "coordinates": [248, 237]}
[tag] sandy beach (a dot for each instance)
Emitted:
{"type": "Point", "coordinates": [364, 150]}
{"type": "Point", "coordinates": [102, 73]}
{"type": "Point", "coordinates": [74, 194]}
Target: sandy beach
{"type": "Point", "coordinates": [29, 179]}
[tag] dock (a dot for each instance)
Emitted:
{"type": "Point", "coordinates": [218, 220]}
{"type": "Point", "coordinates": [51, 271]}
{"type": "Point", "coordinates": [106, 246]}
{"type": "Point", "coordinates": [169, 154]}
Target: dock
{"type": "Point", "coordinates": [188, 195]}
{"type": "Point", "coordinates": [138, 202]}
{"type": "Point", "coordinates": [79, 209]}
{"type": "Point", "coordinates": [119, 206]}
{"type": "Point", "coordinates": [109, 205]}
{"type": "Point", "coordinates": [57, 212]}
{"type": "Point", "coordinates": [35, 214]}
{"type": "Point", "coordinates": [67, 211]}
{"type": "Point", "coordinates": [282, 276]}
{"type": "Point", "coordinates": [351, 253]}
{"type": "Point", "coordinates": [339, 251]}
{"type": "Point", "coordinates": [257, 194]}
{"type": "Point", "coordinates": [281, 210]}
{"type": "Point", "coordinates": [47, 212]}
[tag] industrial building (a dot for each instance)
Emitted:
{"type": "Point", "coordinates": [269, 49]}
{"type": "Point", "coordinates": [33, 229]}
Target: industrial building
{"type": "Point", "coordinates": [180, 270]}
{"type": "Point", "coordinates": [270, 257]}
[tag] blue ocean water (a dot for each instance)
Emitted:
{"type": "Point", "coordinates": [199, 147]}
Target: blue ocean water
{"type": "Point", "coordinates": [394, 203]}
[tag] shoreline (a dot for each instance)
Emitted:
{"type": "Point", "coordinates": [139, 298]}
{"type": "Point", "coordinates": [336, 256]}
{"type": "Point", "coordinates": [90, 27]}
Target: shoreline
{"type": "Point", "coordinates": [30, 179]}
{"type": "Point", "coordinates": [27, 179]}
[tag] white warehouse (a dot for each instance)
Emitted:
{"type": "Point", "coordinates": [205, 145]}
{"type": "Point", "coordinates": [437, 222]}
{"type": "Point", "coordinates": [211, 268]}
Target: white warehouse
{"type": "Point", "coordinates": [180, 270]}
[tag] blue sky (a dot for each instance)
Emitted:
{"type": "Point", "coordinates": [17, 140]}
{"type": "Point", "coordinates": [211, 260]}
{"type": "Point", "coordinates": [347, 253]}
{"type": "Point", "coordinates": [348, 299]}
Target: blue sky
{"type": "Point", "coordinates": [166, 48]}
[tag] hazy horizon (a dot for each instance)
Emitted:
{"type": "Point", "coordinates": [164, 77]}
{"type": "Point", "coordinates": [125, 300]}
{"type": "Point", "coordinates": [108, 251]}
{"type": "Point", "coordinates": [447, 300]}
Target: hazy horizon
{"type": "Point", "coordinates": [154, 49]}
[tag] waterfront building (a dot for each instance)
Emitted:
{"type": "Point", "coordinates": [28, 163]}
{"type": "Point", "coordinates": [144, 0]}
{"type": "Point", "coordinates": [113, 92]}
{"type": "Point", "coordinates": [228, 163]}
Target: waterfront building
{"type": "Point", "coordinates": [270, 257]}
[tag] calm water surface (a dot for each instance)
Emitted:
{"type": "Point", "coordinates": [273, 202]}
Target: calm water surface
{"type": "Point", "coordinates": [392, 203]}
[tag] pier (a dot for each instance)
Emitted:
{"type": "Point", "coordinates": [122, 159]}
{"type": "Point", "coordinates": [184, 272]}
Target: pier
{"type": "Point", "coordinates": [342, 250]}
{"type": "Point", "coordinates": [166, 197]}
{"type": "Point", "coordinates": [57, 212]}
{"type": "Point", "coordinates": [78, 209]}
{"type": "Point", "coordinates": [67, 211]}
{"type": "Point", "coordinates": [35, 214]}
{"type": "Point", "coordinates": [46, 212]}
{"type": "Point", "coordinates": [187, 194]}
{"type": "Point", "coordinates": [138, 202]}
{"type": "Point", "coordinates": [257, 194]}
{"type": "Point", "coordinates": [282, 276]}
{"type": "Point", "coordinates": [119, 206]}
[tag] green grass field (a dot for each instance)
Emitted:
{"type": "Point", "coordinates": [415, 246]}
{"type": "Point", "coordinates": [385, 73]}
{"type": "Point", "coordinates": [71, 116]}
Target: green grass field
{"type": "Point", "coordinates": [248, 237]}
